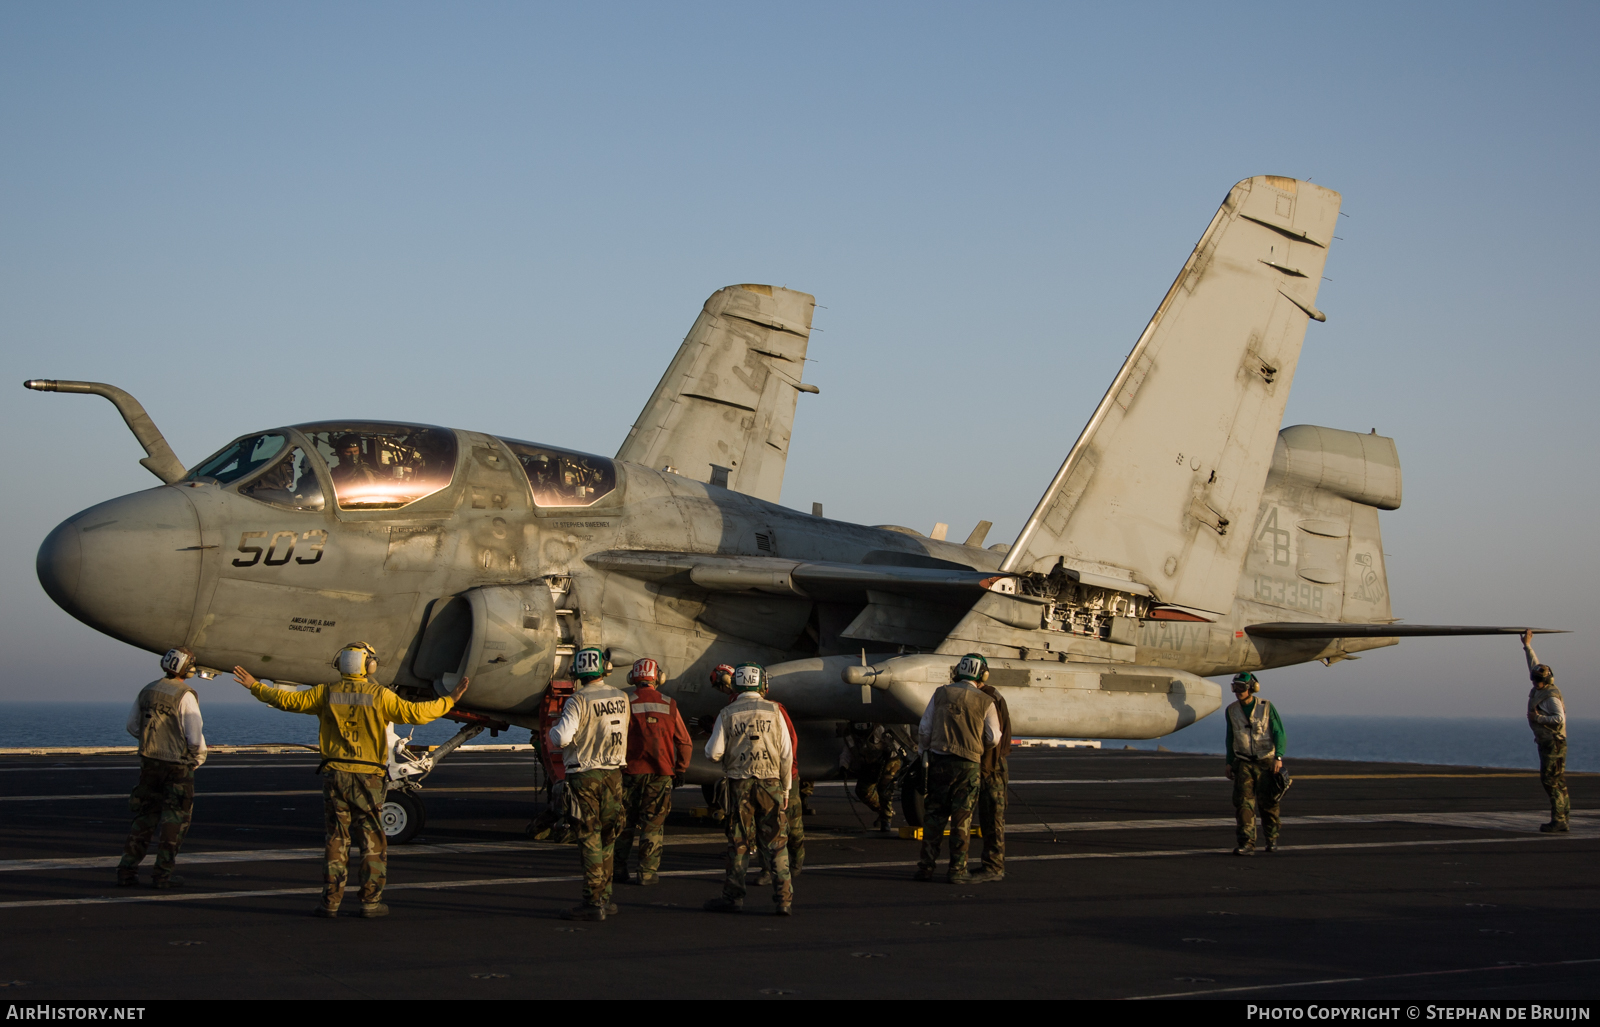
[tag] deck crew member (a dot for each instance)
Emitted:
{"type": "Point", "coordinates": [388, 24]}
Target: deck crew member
{"type": "Point", "coordinates": [353, 717]}
{"type": "Point", "coordinates": [1547, 715]}
{"type": "Point", "coordinates": [876, 758]}
{"type": "Point", "coordinates": [166, 720]}
{"type": "Point", "coordinates": [592, 734]}
{"type": "Point", "coordinates": [658, 755]}
{"type": "Point", "coordinates": [959, 723]}
{"type": "Point", "coordinates": [794, 816]}
{"type": "Point", "coordinates": [757, 757]}
{"type": "Point", "coordinates": [1255, 749]}
{"type": "Point", "coordinates": [994, 780]}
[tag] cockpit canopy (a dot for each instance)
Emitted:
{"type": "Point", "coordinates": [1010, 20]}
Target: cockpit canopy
{"type": "Point", "coordinates": [381, 466]}
{"type": "Point", "coordinates": [562, 478]}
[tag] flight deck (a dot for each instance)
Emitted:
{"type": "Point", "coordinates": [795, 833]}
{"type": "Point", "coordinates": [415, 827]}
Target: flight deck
{"type": "Point", "coordinates": [1393, 881]}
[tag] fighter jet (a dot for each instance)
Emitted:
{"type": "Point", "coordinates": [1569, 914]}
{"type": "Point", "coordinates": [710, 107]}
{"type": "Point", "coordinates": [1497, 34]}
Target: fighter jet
{"type": "Point", "coordinates": [1184, 535]}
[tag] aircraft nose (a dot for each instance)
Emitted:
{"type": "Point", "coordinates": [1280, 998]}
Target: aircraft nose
{"type": "Point", "coordinates": [129, 568]}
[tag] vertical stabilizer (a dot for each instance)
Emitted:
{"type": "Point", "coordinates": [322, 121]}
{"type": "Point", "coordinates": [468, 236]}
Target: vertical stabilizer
{"type": "Point", "coordinates": [1163, 484]}
{"type": "Point", "coordinates": [723, 411]}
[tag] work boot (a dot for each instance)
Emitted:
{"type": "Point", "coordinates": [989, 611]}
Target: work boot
{"type": "Point", "coordinates": [611, 909]}
{"type": "Point", "coordinates": [884, 824]}
{"type": "Point", "coordinates": [648, 879]}
{"type": "Point", "coordinates": [923, 874]}
{"type": "Point", "coordinates": [127, 878]}
{"type": "Point", "coordinates": [373, 910]}
{"type": "Point", "coordinates": [808, 810]}
{"type": "Point", "coordinates": [1248, 849]}
{"type": "Point", "coordinates": [723, 905]}
{"type": "Point", "coordinates": [1272, 845]}
{"type": "Point", "coordinates": [169, 881]}
{"type": "Point", "coordinates": [988, 875]}
{"type": "Point", "coordinates": [1555, 826]}
{"type": "Point", "coordinates": [585, 912]}
{"type": "Point", "coordinates": [763, 880]}
{"type": "Point", "coordinates": [325, 911]}
{"type": "Point", "coordinates": [958, 877]}
{"type": "Point", "coordinates": [783, 910]}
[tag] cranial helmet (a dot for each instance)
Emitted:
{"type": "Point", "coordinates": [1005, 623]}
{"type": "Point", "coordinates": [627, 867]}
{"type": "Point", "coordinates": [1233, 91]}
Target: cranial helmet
{"type": "Point", "coordinates": [179, 662]}
{"type": "Point", "coordinates": [1542, 674]}
{"type": "Point", "coordinates": [722, 677]}
{"type": "Point", "coordinates": [972, 667]}
{"type": "Point", "coordinates": [356, 660]}
{"type": "Point", "coordinates": [589, 663]}
{"type": "Point", "coordinates": [749, 677]}
{"type": "Point", "coordinates": [1248, 680]}
{"type": "Point", "coordinates": [645, 672]}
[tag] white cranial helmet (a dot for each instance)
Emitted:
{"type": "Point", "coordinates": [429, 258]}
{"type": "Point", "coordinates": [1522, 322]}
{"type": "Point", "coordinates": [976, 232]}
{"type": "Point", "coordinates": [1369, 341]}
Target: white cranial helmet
{"type": "Point", "coordinates": [358, 659]}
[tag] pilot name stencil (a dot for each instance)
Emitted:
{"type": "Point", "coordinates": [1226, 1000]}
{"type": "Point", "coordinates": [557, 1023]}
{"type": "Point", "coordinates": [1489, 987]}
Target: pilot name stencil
{"type": "Point", "coordinates": [311, 624]}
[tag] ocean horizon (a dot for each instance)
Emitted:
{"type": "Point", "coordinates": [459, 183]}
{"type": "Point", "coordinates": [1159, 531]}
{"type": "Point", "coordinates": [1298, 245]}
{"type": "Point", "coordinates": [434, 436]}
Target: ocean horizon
{"type": "Point", "coordinates": [1503, 742]}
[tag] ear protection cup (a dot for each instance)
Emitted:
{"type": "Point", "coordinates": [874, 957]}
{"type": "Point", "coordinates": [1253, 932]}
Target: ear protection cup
{"type": "Point", "coordinates": [972, 667]}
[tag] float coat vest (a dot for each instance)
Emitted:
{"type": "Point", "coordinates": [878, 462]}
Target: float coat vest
{"type": "Point", "coordinates": [658, 739]}
{"type": "Point", "coordinates": [958, 713]}
{"type": "Point", "coordinates": [754, 732]}
{"type": "Point", "coordinates": [161, 732]}
{"type": "Point", "coordinates": [1252, 734]}
{"type": "Point", "coordinates": [600, 741]}
{"type": "Point", "coordinates": [1549, 724]}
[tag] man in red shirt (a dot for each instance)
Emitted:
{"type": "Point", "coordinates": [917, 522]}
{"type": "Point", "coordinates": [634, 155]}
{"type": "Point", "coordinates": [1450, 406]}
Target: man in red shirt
{"type": "Point", "coordinates": [658, 754]}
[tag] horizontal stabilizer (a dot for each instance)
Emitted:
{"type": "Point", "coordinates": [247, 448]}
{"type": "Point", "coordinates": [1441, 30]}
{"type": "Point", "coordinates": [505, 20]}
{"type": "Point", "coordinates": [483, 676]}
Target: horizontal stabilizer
{"type": "Point", "coordinates": [834, 582]}
{"type": "Point", "coordinates": [1290, 630]}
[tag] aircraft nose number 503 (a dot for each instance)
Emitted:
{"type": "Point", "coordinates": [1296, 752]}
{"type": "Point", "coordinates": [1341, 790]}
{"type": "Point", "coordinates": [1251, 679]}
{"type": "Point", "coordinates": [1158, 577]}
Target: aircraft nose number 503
{"type": "Point", "coordinates": [280, 549]}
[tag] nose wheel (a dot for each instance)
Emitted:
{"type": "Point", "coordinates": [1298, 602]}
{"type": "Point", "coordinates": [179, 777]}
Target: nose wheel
{"type": "Point", "coordinates": [402, 816]}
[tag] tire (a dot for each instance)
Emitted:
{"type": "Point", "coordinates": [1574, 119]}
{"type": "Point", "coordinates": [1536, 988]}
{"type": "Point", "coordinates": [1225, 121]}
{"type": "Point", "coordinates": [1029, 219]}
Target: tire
{"type": "Point", "coordinates": [402, 817]}
{"type": "Point", "coordinates": [911, 805]}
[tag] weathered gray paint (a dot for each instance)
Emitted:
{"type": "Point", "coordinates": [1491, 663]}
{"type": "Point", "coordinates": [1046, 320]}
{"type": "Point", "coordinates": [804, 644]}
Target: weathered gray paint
{"type": "Point", "coordinates": [1138, 574]}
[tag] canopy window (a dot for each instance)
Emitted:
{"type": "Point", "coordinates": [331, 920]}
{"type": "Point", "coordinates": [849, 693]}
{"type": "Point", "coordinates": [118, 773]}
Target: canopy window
{"type": "Point", "coordinates": [378, 466]}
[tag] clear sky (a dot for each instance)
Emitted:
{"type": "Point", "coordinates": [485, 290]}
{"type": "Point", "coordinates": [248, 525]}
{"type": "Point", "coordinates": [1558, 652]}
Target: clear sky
{"type": "Point", "coordinates": [505, 216]}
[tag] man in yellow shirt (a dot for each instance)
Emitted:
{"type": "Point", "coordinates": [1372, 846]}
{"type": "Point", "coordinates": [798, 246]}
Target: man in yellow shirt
{"type": "Point", "coordinates": [355, 715]}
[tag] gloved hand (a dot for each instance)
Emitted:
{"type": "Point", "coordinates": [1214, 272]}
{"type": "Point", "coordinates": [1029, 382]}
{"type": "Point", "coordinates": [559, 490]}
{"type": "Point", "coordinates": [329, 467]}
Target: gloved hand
{"type": "Point", "coordinates": [677, 780]}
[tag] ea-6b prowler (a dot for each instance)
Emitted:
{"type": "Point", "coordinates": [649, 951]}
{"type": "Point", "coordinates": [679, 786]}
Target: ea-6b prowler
{"type": "Point", "coordinates": [1185, 535]}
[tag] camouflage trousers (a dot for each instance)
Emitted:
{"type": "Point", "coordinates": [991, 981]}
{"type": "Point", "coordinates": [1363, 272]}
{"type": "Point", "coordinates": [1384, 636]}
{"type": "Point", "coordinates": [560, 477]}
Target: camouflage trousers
{"type": "Point", "coordinates": [756, 821]}
{"type": "Point", "coordinates": [1253, 790]}
{"type": "Point", "coordinates": [992, 817]}
{"type": "Point", "coordinates": [164, 799]}
{"type": "Point", "coordinates": [952, 793]}
{"type": "Point", "coordinates": [646, 800]}
{"type": "Point", "coordinates": [352, 805]}
{"type": "Point", "coordinates": [595, 809]}
{"type": "Point", "coordinates": [795, 821]}
{"type": "Point", "coordinates": [875, 785]}
{"type": "Point", "coordinates": [1553, 775]}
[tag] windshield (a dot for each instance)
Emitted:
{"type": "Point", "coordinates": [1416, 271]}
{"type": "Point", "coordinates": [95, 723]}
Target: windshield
{"type": "Point", "coordinates": [378, 466]}
{"type": "Point", "coordinates": [289, 482]}
{"type": "Point", "coordinates": [563, 478]}
{"type": "Point", "coordinates": [239, 459]}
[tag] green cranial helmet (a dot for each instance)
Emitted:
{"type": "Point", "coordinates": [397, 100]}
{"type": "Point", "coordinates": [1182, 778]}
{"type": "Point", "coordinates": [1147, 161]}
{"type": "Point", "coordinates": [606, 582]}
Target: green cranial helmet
{"type": "Point", "coordinates": [1248, 680]}
{"type": "Point", "coordinates": [589, 663]}
{"type": "Point", "coordinates": [972, 668]}
{"type": "Point", "coordinates": [749, 677]}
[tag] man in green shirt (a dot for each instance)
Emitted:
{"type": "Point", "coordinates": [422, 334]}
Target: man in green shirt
{"type": "Point", "coordinates": [1255, 750]}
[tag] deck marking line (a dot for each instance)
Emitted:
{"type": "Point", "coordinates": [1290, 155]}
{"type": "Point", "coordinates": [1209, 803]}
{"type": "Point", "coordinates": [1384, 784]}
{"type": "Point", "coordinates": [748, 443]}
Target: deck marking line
{"type": "Point", "coordinates": [1361, 980]}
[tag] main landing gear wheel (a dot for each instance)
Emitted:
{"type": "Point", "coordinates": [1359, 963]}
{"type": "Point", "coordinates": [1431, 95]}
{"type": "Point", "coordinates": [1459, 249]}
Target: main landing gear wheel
{"type": "Point", "coordinates": [402, 817]}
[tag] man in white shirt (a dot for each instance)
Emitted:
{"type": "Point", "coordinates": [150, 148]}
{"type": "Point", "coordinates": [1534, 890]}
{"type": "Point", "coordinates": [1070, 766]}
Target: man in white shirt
{"type": "Point", "coordinates": [592, 734]}
{"type": "Point", "coordinates": [166, 720]}
{"type": "Point", "coordinates": [1547, 716]}
{"type": "Point", "coordinates": [752, 743]}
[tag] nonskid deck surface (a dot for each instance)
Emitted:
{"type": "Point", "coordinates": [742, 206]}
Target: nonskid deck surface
{"type": "Point", "coordinates": [1395, 880]}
